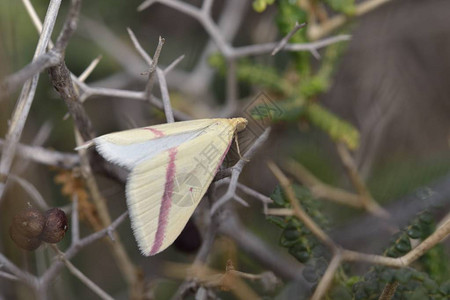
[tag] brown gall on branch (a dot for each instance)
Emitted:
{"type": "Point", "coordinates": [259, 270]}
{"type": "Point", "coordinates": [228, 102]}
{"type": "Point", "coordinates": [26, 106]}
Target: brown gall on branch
{"type": "Point", "coordinates": [41, 284]}
{"type": "Point", "coordinates": [53, 271]}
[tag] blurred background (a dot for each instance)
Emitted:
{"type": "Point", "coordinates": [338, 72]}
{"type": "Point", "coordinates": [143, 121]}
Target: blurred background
{"type": "Point", "coordinates": [384, 94]}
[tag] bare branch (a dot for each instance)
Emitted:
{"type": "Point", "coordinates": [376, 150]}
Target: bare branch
{"type": "Point", "coordinates": [26, 277]}
{"type": "Point", "coordinates": [139, 48]}
{"type": "Point", "coordinates": [62, 82]}
{"type": "Point", "coordinates": [83, 76]}
{"type": "Point", "coordinates": [107, 92]}
{"type": "Point", "coordinates": [26, 98]}
{"type": "Point", "coordinates": [273, 260]}
{"type": "Point", "coordinates": [320, 189]}
{"type": "Point", "coordinates": [279, 212]}
{"type": "Point", "coordinates": [284, 41]}
{"type": "Point", "coordinates": [31, 190]}
{"type": "Point", "coordinates": [327, 278]}
{"type": "Point", "coordinates": [389, 291]}
{"type": "Point", "coordinates": [45, 60]}
{"type": "Point", "coordinates": [317, 31]}
{"type": "Point", "coordinates": [45, 156]}
{"type": "Point", "coordinates": [153, 66]}
{"type": "Point", "coordinates": [83, 278]}
{"type": "Point", "coordinates": [298, 211]}
{"type": "Point", "coordinates": [165, 96]}
{"type": "Point", "coordinates": [267, 48]}
{"type": "Point", "coordinates": [366, 198]}
{"type": "Point", "coordinates": [173, 64]}
{"type": "Point", "coordinates": [246, 190]}
{"type": "Point", "coordinates": [207, 5]}
{"type": "Point", "coordinates": [75, 220]}
{"type": "Point", "coordinates": [124, 262]}
{"type": "Point", "coordinates": [56, 267]}
{"type": "Point", "coordinates": [8, 276]}
{"type": "Point", "coordinates": [70, 25]}
{"type": "Point", "coordinates": [237, 169]}
{"type": "Point", "coordinates": [13, 81]}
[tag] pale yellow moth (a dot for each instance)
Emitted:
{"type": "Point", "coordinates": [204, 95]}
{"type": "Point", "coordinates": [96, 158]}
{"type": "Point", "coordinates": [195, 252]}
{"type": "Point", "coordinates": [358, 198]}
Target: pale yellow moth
{"type": "Point", "coordinates": [171, 166]}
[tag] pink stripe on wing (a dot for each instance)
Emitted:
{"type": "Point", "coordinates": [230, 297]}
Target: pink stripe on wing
{"type": "Point", "coordinates": [166, 203]}
{"type": "Point", "coordinates": [156, 132]}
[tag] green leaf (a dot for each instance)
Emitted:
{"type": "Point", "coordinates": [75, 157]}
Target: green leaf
{"type": "Point", "coordinates": [279, 221]}
{"type": "Point", "coordinates": [338, 129]}
{"type": "Point", "coordinates": [278, 197]}
{"type": "Point", "coordinates": [414, 231]}
{"type": "Point", "coordinates": [344, 6]}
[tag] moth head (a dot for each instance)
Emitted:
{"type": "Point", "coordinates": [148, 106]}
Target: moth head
{"type": "Point", "coordinates": [239, 123]}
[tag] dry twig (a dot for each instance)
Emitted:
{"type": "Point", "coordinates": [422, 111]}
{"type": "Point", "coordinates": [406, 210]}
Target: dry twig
{"type": "Point", "coordinates": [341, 254]}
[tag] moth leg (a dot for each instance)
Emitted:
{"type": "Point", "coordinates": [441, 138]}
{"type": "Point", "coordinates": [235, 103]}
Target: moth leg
{"type": "Point", "coordinates": [238, 150]}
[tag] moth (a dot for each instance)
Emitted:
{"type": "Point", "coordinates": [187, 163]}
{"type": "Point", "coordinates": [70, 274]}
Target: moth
{"type": "Point", "coordinates": [171, 167]}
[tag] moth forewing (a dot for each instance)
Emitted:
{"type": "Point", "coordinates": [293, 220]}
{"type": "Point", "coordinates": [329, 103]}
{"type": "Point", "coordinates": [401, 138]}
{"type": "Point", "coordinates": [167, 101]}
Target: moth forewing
{"type": "Point", "coordinates": [171, 166]}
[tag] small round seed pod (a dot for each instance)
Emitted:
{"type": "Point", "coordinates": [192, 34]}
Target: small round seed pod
{"type": "Point", "coordinates": [29, 222]}
{"type": "Point", "coordinates": [55, 226]}
{"type": "Point", "coordinates": [26, 243]}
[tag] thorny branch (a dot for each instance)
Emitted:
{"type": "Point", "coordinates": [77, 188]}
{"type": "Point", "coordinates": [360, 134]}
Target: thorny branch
{"type": "Point", "coordinates": [225, 222]}
{"type": "Point", "coordinates": [25, 100]}
{"type": "Point", "coordinates": [46, 156]}
{"type": "Point", "coordinates": [41, 283]}
{"type": "Point", "coordinates": [216, 216]}
{"type": "Point", "coordinates": [317, 30]}
{"type": "Point", "coordinates": [237, 169]}
{"type": "Point", "coordinates": [129, 270]}
{"type": "Point", "coordinates": [340, 254]}
{"type": "Point", "coordinates": [83, 278]}
{"type": "Point", "coordinates": [161, 75]}
{"type": "Point", "coordinates": [228, 51]}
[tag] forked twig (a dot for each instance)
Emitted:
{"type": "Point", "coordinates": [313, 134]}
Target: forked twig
{"type": "Point", "coordinates": [285, 40]}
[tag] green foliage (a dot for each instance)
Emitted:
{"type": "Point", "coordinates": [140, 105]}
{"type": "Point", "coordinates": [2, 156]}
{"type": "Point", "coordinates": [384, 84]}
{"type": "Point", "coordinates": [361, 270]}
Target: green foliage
{"type": "Point", "coordinates": [339, 130]}
{"type": "Point", "coordinates": [412, 283]}
{"type": "Point", "coordinates": [288, 14]}
{"type": "Point", "coordinates": [299, 92]}
{"type": "Point", "coordinates": [257, 74]}
{"type": "Point", "coordinates": [344, 6]}
{"type": "Point", "coordinates": [297, 238]}
{"type": "Point", "coordinates": [432, 262]}
{"type": "Point", "coordinates": [425, 282]}
{"type": "Point", "coordinates": [260, 5]}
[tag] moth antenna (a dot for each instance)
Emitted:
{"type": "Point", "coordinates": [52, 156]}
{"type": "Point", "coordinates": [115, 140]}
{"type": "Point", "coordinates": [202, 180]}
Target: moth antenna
{"type": "Point", "coordinates": [85, 145]}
